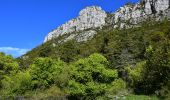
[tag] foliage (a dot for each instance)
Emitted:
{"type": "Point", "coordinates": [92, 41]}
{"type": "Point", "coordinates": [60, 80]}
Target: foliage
{"type": "Point", "coordinates": [165, 91]}
{"type": "Point", "coordinates": [8, 67]}
{"type": "Point", "coordinates": [136, 73]}
{"type": "Point", "coordinates": [52, 92]}
{"type": "Point", "coordinates": [69, 51]}
{"type": "Point", "coordinates": [44, 72]}
{"type": "Point", "coordinates": [7, 64]}
{"type": "Point", "coordinates": [92, 77]}
{"type": "Point", "coordinates": [151, 75]}
{"type": "Point", "coordinates": [121, 47]}
{"type": "Point", "coordinates": [140, 56]}
{"type": "Point", "coordinates": [157, 66]}
{"type": "Point", "coordinates": [16, 84]}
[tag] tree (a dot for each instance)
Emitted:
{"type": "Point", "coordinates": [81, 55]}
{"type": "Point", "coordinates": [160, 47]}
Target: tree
{"type": "Point", "coordinates": [69, 51]}
{"type": "Point", "coordinates": [44, 71]}
{"type": "Point", "coordinates": [151, 75]}
{"type": "Point", "coordinates": [157, 67]}
{"type": "Point", "coordinates": [8, 66]}
{"type": "Point", "coordinates": [91, 77]}
{"type": "Point", "coordinates": [16, 84]}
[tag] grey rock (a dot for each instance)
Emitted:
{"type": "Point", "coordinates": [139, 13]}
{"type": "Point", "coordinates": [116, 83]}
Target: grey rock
{"type": "Point", "coordinates": [127, 16]}
{"type": "Point", "coordinates": [89, 18]}
{"type": "Point", "coordinates": [130, 15]}
{"type": "Point", "coordinates": [72, 36]}
{"type": "Point", "coordinates": [86, 35]}
{"type": "Point", "coordinates": [82, 36]}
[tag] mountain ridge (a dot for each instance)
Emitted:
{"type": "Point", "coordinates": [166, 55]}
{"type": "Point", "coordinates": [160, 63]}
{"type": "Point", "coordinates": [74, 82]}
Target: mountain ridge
{"type": "Point", "coordinates": [128, 16]}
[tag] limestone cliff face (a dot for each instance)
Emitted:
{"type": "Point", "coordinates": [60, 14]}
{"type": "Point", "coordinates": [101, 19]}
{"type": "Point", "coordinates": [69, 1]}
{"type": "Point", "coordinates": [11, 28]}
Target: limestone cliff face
{"type": "Point", "coordinates": [127, 16]}
{"type": "Point", "coordinates": [130, 15]}
{"type": "Point", "coordinates": [89, 18]}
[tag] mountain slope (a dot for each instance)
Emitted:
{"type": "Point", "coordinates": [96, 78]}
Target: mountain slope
{"type": "Point", "coordinates": [73, 38]}
{"type": "Point", "coordinates": [121, 47]}
{"type": "Point", "coordinates": [101, 55]}
{"type": "Point", "coordinates": [140, 55]}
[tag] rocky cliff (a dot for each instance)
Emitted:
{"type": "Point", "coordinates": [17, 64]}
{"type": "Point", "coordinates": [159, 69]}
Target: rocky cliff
{"type": "Point", "coordinates": [132, 14]}
{"type": "Point", "coordinates": [89, 18]}
{"type": "Point", "coordinates": [94, 17]}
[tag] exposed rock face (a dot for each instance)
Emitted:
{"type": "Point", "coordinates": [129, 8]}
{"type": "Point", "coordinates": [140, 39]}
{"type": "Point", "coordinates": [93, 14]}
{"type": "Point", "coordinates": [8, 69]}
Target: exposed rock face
{"type": "Point", "coordinates": [89, 18]}
{"type": "Point", "coordinates": [84, 36]}
{"type": "Point", "coordinates": [126, 17]}
{"type": "Point", "coordinates": [80, 37]}
{"type": "Point", "coordinates": [156, 6]}
{"type": "Point", "coordinates": [129, 15]}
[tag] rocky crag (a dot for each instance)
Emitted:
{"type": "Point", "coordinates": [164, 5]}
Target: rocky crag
{"type": "Point", "coordinates": [92, 18]}
{"type": "Point", "coordinates": [89, 18]}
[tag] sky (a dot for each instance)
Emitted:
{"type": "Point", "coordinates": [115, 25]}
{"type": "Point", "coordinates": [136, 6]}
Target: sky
{"type": "Point", "coordinates": [25, 23]}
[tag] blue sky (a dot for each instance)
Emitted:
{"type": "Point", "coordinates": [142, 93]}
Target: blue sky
{"type": "Point", "coordinates": [25, 23]}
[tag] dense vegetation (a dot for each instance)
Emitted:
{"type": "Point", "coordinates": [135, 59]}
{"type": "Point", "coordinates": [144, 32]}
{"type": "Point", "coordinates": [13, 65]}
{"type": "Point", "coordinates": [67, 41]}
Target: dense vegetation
{"type": "Point", "coordinates": [114, 64]}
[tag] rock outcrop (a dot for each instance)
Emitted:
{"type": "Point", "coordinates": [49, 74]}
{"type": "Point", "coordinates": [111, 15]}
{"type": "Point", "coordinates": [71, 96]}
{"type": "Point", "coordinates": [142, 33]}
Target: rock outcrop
{"type": "Point", "coordinates": [94, 17]}
{"type": "Point", "coordinates": [130, 14]}
{"type": "Point", "coordinates": [89, 18]}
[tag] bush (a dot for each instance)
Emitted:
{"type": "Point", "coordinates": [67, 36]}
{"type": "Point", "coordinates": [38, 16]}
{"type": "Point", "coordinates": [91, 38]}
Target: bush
{"type": "Point", "coordinates": [136, 73]}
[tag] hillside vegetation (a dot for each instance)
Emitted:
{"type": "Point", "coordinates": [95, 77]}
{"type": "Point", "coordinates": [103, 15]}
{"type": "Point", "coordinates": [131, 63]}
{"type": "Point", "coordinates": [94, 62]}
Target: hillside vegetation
{"type": "Point", "coordinates": [130, 64]}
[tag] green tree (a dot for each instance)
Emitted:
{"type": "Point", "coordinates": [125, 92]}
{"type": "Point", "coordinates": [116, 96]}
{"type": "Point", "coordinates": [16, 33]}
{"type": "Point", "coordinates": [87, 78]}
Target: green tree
{"type": "Point", "coordinates": [157, 67]}
{"type": "Point", "coordinates": [8, 66]}
{"type": "Point", "coordinates": [69, 51]}
{"type": "Point", "coordinates": [91, 77]}
{"type": "Point", "coordinates": [16, 84]}
{"type": "Point", "coordinates": [150, 76]}
{"type": "Point", "coordinates": [44, 71]}
{"type": "Point", "coordinates": [136, 74]}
